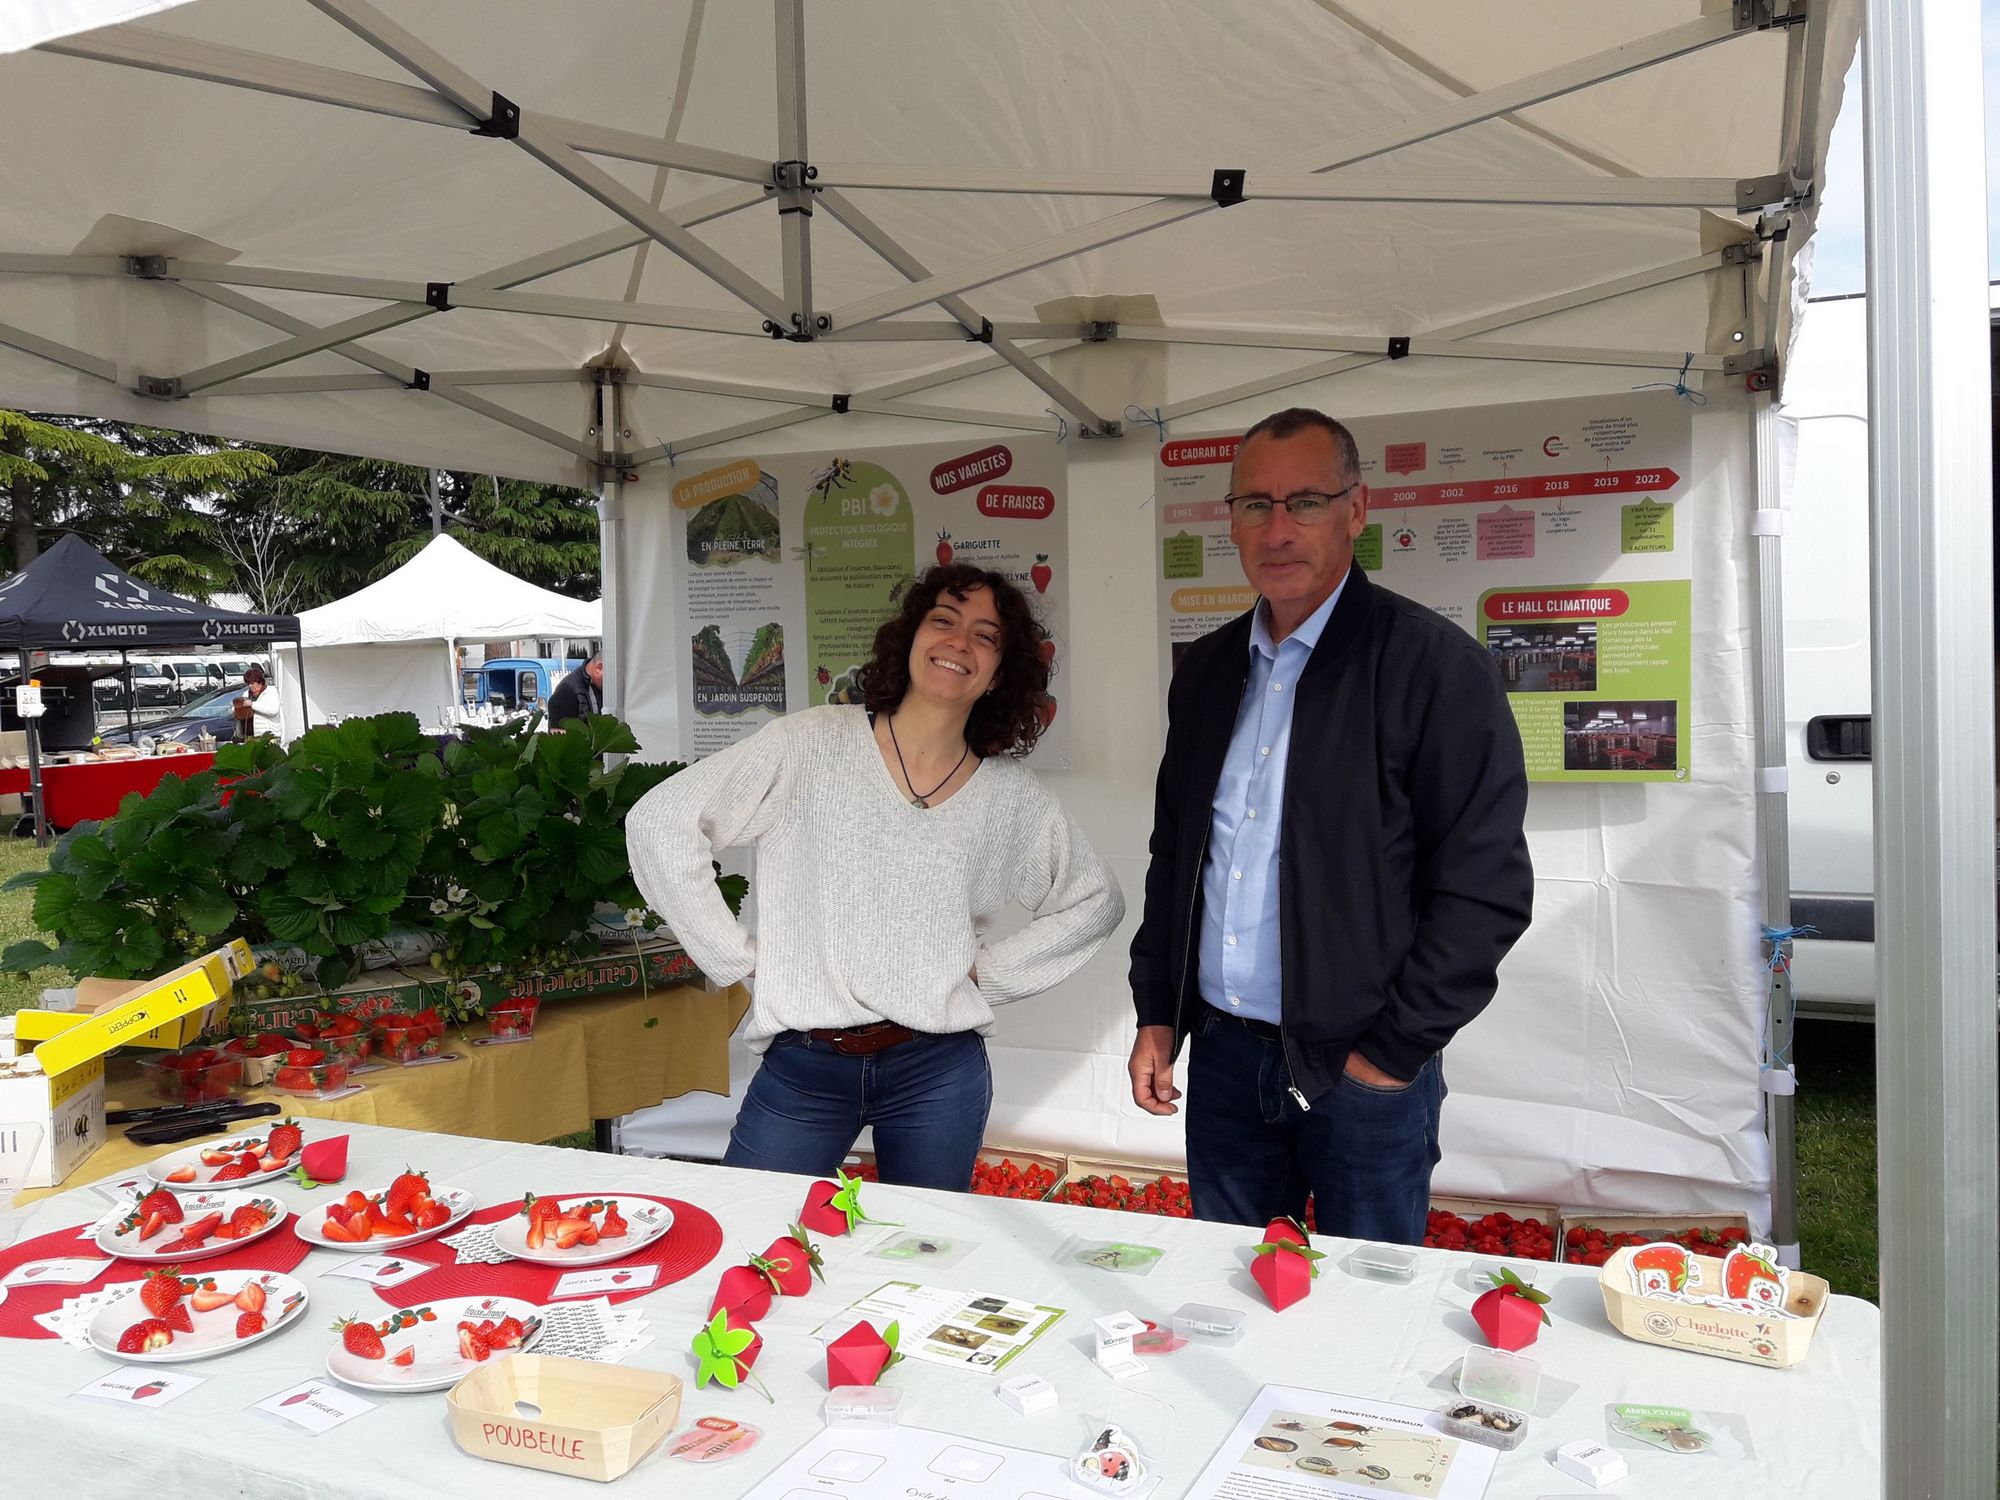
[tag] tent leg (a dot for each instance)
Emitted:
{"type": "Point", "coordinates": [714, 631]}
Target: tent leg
{"type": "Point", "coordinates": [611, 545]}
{"type": "Point", "coordinates": [33, 727]}
{"type": "Point", "coordinates": [1931, 558]}
{"type": "Point", "coordinates": [1773, 829]}
{"type": "Point", "coordinates": [131, 690]}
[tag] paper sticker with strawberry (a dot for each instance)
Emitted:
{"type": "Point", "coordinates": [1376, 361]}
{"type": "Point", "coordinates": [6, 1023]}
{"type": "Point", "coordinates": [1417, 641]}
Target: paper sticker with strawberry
{"type": "Point", "coordinates": [1664, 1269]}
{"type": "Point", "coordinates": [1753, 1280]}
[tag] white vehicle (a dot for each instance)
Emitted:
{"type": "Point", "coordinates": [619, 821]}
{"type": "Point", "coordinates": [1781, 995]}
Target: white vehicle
{"type": "Point", "coordinates": [1827, 666]}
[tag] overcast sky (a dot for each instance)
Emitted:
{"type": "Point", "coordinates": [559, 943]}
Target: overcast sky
{"type": "Point", "coordinates": [1839, 265]}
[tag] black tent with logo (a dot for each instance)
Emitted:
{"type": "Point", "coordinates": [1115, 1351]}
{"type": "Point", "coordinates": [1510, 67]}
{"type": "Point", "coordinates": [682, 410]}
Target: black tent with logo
{"type": "Point", "coordinates": [74, 599]}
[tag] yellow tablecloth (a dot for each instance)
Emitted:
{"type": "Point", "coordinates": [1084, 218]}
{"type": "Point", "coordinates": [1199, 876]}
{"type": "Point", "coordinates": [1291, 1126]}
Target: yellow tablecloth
{"type": "Point", "coordinates": [589, 1060]}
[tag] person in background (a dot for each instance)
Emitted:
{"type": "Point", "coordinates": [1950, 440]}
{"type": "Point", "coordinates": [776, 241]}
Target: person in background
{"type": "Point", "coordinates": [1338, 864]}
{"type": "Point", "coordinates": [257, 710]}
{"type": "Point", "coordinates": [890, 835]}
{"type": "Point", "coordinates": [580, 694]}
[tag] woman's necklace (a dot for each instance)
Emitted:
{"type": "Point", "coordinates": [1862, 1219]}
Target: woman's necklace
{"type": "Point", "coordinates": [921, 799]}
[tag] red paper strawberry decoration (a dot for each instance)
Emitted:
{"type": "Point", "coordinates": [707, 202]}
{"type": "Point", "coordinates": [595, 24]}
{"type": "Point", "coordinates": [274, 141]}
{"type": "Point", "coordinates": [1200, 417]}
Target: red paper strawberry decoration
{"type": "Point", "coordinates": [744, 1293]}
{"type": "Point", "coordinates": [1512, 1314]}
{"type": "Point", "coordinates": [833, 1208]}
{"type": "Point", "coordinates": [1284, 1227]}
{"type": "Point", "coordinates": [1285, 1269]}
{"type": "Point", "coordinates": [322, 1161]}
{"type": "Point", "coordinates": [725, 1349]}
{"type": "Point", "coordinates": [790, 1263]}
{"type": "Point", "coordinates": [860, 1355]}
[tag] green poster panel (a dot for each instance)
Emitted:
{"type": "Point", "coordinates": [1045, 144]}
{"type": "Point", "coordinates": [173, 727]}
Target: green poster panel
{"type": "Point", "coordinates": [859, 556]}
{"type": "Point", "coordinates": [1180, 556]}
{"type": "Point", "coordinates": [1368, 548]}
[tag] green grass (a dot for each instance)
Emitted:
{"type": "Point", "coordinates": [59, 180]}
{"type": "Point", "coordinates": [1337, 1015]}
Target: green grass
{"type": "Point", "coordinates": [17, 922]}
{"type": "Point", "coordinates": [1836, 1134]}
{"type": "Point", "coordinates": [1836, 1108]}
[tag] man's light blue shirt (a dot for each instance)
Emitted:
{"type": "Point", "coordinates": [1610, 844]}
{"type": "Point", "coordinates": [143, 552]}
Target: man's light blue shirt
{"type": "Point", "coordinates": [1238, 966]}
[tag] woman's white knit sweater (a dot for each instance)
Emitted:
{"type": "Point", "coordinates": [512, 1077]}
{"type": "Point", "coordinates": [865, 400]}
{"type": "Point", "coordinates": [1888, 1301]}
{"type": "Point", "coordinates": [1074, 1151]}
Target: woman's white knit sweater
{"type": "Point", "coordinates": [869, 908]}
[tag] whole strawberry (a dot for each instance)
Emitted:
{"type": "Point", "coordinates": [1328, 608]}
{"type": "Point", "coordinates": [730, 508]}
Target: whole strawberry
{"type": "Point", "coordinates": [161, 1291]}
{"type": "Point", "coordinates": [359, 1338]}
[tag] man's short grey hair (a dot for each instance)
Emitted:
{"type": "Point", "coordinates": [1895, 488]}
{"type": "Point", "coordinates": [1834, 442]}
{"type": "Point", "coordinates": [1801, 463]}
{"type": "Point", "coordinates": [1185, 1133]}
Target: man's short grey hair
{"type": "Point", "coordinates": [1294, 420]}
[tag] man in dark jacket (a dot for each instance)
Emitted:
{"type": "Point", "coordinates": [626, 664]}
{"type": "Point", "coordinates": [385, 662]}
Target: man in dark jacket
{"type": "Point", "coordinates": [1338, 864]}
{"type": "Point", "coordinates": [579, 694]}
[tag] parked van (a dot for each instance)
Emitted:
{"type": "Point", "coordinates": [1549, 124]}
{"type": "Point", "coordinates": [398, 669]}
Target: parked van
{"type": "Point", "coordinates": [1828, 672]}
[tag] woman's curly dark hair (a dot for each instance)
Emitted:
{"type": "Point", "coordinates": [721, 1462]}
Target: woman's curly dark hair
{"type": "Point", "coordinates": [1008, 719]}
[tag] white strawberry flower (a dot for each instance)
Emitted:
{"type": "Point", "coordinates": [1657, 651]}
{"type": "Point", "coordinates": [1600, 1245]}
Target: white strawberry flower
{"type": "Point", "coordinates": [883, 499]}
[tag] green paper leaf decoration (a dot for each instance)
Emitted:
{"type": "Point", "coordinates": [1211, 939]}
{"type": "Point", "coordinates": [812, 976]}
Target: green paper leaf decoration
{"type": "Point", "coordinates": [1505, 1280]}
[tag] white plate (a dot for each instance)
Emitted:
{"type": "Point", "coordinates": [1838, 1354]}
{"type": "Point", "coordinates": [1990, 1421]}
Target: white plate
{"type": "Point", "coordinates": [196, 1205]}
{"type": "Point", "coordinates": [204, 1175]}
{"type": "Point", "coordinates": [438, 1364]}
{"type": "Point", "coordinates": [645, 1221]}
{"type": "Point", "coordinates": [459, 1200]}
{"type": "Point", "coordinates": [214, 1330]}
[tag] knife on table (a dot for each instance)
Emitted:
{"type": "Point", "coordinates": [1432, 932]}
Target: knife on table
{"type": "Point", "coordinates": [166, 1132]}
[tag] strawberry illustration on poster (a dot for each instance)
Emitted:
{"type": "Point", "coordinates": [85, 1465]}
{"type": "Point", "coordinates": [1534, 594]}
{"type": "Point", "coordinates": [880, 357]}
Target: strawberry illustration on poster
{"type": "Point", "coordinates": [1553, 532]}
{"type": "Point", "coordinates": [785, 566]}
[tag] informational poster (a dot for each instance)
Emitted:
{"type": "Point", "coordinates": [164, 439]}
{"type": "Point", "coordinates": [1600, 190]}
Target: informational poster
{"type": "Point", "coordinates": [783, 569]}
{"type": "Point", "coordinates": [940, 1326]}
{"type": "Point", "coordinates": [1316, 1446]}
{"type": "Point", "coordinates": [1552, 531]}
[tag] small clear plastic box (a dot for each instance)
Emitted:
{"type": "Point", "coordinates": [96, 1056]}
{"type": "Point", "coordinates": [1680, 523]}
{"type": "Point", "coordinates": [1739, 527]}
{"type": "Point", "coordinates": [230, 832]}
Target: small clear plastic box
{"type": "Point", "coordinates": [1479, 1275]}
{"type": "Point", "coordinates": [1478, 1432]}
{"type": "Point", "coordinates": [862, 1406]}
{"type": "Point", "coordinates": [1389, 1263]}
{"type": "Point", "coordinates": [1199, 1323]}
{"type": "Point", "coordinates": [1493, 1377]}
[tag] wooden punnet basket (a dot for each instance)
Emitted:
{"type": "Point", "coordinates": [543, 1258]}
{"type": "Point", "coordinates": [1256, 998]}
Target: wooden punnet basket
{"type": "Point", "coordinates": [1750, 1337]}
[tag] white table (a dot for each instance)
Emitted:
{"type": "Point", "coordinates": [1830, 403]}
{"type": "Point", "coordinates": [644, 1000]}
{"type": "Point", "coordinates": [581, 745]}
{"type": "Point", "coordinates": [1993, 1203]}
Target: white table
{"type": "Point", "coordinates": [1816, 1428]}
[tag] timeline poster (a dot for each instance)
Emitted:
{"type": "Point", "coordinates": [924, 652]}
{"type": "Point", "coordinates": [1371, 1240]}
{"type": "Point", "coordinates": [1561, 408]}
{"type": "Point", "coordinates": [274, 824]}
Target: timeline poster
{"type": "Point", "coordinates": [784, 567]}
{"type": "Point", "coordinates": [1553, 532]}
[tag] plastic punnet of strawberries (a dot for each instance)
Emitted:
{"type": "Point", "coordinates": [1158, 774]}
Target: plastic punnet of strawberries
{"type": "Point", "coordinates": [1497, 1233]}
{"type": "Point", "coordinates": [1008, 1179]}
{"type": "Point", "coordinates": [1587, 1245]}
{"type": "Point", "coordinates": [1164, 1195]}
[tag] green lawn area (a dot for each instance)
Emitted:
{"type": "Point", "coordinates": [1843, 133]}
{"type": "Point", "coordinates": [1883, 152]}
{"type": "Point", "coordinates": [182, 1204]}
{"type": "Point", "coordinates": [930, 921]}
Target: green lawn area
{"type": "Point", "coordinates": [1836, 1110]}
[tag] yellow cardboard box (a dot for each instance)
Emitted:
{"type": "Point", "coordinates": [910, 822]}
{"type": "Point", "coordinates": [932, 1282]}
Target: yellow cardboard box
{"type": "Point", "coordinates": [169, 1011]}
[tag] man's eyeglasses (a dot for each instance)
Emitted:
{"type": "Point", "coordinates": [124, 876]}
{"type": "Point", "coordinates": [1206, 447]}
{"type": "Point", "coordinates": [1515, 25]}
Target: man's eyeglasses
{"type": "Point", "coordinates": [1307, 507]}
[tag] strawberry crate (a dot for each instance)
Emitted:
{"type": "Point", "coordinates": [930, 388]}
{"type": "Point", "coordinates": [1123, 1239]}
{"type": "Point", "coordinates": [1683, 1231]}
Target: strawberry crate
{"type": "Point", "coordinates": [1708, 1234]}
{"type": "Point", "coordinates": [1493, 1226]}
{"type": "Point", "coordinates": [1036, 1173]}
{"type": "Point", "coordinates": [1135, 1187]}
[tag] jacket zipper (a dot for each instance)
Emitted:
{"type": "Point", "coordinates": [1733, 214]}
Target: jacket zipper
{"type": "Point", "coordinates": [1187, 928]}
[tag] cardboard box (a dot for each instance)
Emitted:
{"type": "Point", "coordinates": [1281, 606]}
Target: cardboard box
{"type": "Point", "coordinates": [169, 1011]}
{"type": "Point", "coordinates": [1662, 1226]}
{"type": "Point", "coordinates": [1753, 1338]}
{"type": "Point", "coordinates": [994, 1156]}
{"type": "Point", "coordinates": [64, 1110]}
{"type": "Point", "coordinates": [565, 1416]}
{"type": "Point", "coordinates": [409, 988]}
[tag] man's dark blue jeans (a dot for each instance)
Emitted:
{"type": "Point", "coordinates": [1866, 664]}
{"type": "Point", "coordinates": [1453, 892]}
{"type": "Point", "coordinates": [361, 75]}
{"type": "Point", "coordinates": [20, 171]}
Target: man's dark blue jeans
{"type": "Point", "coordinates": [926, 1098]}
{"type": "Point", "coordinates": [1364, 1153]}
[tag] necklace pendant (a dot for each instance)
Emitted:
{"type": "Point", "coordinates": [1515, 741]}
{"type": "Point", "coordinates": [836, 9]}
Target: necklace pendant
{"type": "Point", "coordinates": [918, 802]}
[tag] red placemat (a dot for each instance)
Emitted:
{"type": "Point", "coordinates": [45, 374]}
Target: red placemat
{"type": "Point", "coordinates": [683, 1250]}
{"type": "Point", "coordinates": [280, 1250]}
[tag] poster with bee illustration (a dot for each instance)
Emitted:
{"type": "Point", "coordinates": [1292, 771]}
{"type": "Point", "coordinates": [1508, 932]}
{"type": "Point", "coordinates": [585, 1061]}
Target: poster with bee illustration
{"type": "Point", "coordinates": [784, 567]}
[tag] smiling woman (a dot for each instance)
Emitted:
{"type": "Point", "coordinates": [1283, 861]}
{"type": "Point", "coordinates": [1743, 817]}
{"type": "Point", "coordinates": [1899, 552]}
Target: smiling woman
{"type": "Point", "coordinates": [889, 838]}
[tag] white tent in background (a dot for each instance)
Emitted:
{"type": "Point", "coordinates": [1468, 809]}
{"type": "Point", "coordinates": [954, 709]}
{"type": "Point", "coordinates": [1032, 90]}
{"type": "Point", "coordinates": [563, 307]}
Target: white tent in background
{"type": "Point", "coordinates": [394, 644]}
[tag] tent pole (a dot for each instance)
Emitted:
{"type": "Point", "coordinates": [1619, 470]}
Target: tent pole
{"type": "Point", "coordinates": [305, 710]}
{"type": "Point", "coordinates": [33, 727]}
{"type": "Point", "coordinates": [611, 541]}
{"type": "Point", "coordinates": [1931, 559]}
{"type": "Point", "coordinates": [131, 688]}
{"type": "Point", "coordinates": [1774, 857]}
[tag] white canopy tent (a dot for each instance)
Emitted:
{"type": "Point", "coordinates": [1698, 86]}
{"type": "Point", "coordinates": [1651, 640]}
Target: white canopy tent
{"type": "Point", "coordinates": [489, 239]}
{"type": "Point", "coordinates": [394, 644]}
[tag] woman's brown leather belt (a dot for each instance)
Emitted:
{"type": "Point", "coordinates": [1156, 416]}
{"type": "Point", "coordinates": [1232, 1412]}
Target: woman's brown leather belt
{"type": "Point", "coordinates": [864, 1041]}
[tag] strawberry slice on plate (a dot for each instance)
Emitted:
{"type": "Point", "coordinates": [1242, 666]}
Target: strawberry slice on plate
{"type": "Point", "coordinates": [360, 1338]}
{"type": "Point", "coordinates": [145, 1336]}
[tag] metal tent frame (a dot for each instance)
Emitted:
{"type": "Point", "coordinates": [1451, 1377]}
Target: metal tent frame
{"type": "Point", "coordinates": [1933, 617]}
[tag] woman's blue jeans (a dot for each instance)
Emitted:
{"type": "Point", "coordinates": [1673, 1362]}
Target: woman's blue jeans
{"type": "Point", "coordinates": [927, 1100]}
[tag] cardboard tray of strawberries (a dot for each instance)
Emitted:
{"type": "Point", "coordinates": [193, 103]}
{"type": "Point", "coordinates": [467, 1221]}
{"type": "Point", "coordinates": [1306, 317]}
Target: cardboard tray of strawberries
{"type": "Point", "coordinates": [1592, 1239]}
{"type": "Point", "coordinates": [1485, 1226]}
{"type": "Point", "coordinates": [1004, 1172]}
{"type": "Point", "coordinates": [1135, 1187]}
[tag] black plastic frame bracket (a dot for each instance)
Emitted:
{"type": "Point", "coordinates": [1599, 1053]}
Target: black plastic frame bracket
{"type": "Point", "coordinates": [985, 334]}
{"type": "Point", "coordinates": [504, 124]}
{"type": "Point", "coordinates": [1399, 348]}
{"type": "Point", "coordinates": [420, 380]}
{"type": "Point", "coordinates": [1226, 186]}
{"type": "Point", "coordinates": [840, 403]}
{"type": "Point", "coordinates": [437, 294]}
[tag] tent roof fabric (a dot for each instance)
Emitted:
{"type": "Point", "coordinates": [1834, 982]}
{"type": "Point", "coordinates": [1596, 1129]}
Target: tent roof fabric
{"type": "Point", "coordinates": [74, 598]}
{"type": "Point", "coordinates": [448, 593]}
{"type": "Point", "coordinates": [1441, 173]}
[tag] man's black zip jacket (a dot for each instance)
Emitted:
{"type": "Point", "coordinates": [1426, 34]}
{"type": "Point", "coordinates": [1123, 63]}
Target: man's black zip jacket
{"type": "Point", "coordinates": [1403, 873]}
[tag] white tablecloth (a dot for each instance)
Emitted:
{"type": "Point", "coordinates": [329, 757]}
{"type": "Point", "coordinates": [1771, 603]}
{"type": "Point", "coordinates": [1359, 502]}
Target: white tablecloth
{"type": "Point", "coordinates": [1816, 1428]}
